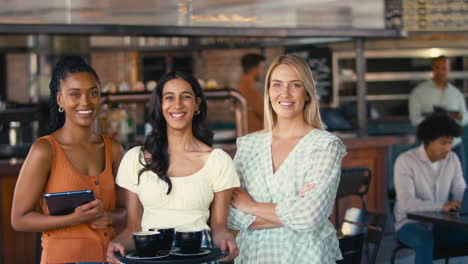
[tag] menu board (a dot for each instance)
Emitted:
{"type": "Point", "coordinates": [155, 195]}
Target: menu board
{"type": "Point", "coordinates": [393, 14]}
{"type": "Point", "coordinates": [319, 60]}
{"type": "Point", "coordinates": [435, 15]}
{"type": "Point", "coordinates": [320, 63]}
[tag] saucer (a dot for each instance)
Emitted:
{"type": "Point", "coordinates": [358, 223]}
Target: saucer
{"type": "Point", "coordinates": [201, 252]}
{"type": "Point", "coordinates": [134, 256]}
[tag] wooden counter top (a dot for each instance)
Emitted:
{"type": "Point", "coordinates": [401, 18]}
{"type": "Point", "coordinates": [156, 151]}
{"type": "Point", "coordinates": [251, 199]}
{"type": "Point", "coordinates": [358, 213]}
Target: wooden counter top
{"type": "Point", "coordinates": [350, 142]}
{"type": "Point", "coordinates": [8, 168]}
{"type": "Point", "coordinates": [385, 141]}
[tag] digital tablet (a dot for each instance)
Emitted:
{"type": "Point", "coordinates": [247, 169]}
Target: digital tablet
{"type": "Point", "coordinates": [439, 109]}
{"type": "Point", "coordinates": [63, 203]}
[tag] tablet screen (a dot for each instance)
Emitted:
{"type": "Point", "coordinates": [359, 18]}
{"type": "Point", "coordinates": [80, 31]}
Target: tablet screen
{"type": "Point", "coordinates": [64, 203]}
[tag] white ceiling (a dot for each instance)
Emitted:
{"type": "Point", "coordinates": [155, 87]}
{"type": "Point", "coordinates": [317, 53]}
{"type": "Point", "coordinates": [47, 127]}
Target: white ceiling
{"type": "Point", "coordinates": [242, 13]}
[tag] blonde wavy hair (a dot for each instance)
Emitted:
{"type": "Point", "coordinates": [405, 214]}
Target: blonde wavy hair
{"type": "Point", "coordinates": [311, 111]}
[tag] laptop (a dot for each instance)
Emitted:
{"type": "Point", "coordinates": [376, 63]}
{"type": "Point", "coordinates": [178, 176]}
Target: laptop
{"type": "Point", "coordinates": [464, 205]}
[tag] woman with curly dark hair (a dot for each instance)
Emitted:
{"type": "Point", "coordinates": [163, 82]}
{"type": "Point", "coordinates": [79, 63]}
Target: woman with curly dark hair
{"type": "Point", "coordinates": [176, 179]}
{"type": "Point", "coordinates": [73, 157]}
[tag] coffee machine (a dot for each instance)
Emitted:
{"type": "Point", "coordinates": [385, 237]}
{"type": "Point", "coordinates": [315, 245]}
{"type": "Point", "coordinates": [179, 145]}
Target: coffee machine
{"type": "Point", "coordinates": [18, 130]}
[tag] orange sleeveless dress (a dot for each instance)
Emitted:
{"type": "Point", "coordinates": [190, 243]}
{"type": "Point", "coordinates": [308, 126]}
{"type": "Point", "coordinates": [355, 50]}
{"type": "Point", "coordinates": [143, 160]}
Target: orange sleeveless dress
{"type": "Point", "coordinates": [78, 243]}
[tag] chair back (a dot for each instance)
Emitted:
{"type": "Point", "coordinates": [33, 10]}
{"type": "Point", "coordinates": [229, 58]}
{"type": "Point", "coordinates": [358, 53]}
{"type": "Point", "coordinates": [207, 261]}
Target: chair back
{"type": "Point", "coordinates": [351, 249]}
{"type": "Point", "coordinates": [354, 222]}
{"type": "Point", "coordinates": [352, 236]}
{"type": "Point", "coordinates": [375, 232]}
{"type": "Point", "coordinates": [354, 181]}
{"type": "Point", "coordinates": [358, 221]}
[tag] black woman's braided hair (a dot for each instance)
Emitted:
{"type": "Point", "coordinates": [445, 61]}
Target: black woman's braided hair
{"type": "Point", "coordinates": [65, 65]}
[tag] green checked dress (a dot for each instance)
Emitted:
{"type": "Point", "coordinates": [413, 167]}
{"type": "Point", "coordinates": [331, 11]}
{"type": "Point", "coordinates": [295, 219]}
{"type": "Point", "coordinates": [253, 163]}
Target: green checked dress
{"type": "Point", "coordinates": [307, 236]}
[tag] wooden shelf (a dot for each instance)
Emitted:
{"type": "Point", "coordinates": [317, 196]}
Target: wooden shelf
{"type": "Point", "coordinates": [401, 76]}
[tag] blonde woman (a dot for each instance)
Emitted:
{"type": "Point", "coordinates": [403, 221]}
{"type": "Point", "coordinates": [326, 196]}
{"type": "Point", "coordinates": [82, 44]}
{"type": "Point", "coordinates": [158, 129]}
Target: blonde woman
{"type": "Point", "coordinates": [289, 175]}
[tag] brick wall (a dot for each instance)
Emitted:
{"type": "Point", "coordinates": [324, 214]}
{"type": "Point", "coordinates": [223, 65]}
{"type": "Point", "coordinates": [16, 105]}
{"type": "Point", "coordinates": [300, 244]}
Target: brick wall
{"type": "Point", "coordinates": [224, 66]}
{"type": "Point", "coordinates": [18, 77]}
{"type": "Point", "coordinates": [112, 66]}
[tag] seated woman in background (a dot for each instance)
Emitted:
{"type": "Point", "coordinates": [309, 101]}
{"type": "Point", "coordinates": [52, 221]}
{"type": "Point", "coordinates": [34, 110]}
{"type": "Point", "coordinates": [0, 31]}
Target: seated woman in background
{"type": "Point", "coordinates": [176, 176]}
{"type": "Point", "coordinates": [289, 175]}
{"type": "Point", "coordinates": [71, 158]}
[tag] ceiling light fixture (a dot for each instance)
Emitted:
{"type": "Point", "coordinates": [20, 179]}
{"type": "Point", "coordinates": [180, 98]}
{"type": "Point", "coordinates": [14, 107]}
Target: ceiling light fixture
{"type": "Point", "coordinates": [225, 18]}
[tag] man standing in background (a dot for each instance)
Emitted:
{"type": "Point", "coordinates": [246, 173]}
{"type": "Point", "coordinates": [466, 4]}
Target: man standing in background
{"type": "Point", "coordinates": [253, 67]}
{"type": "Point", "coordinates": [437, 95]}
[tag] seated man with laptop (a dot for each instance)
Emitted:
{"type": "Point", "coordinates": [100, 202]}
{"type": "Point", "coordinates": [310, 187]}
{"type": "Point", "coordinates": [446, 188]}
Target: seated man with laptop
{"type": "Point", "coordinates": [425, 178]}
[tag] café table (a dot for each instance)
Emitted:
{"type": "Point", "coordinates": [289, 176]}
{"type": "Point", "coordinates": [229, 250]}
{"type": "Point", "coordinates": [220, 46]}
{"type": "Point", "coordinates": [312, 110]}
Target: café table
{"type": "Point", "coordinates": [215, 254]}
{"type": "Point", "coordinates": [451, 219]}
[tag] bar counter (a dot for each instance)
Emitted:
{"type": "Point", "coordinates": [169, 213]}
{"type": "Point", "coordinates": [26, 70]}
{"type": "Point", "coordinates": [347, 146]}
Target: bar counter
{"type": "Point", "coordinates": [15, 247]}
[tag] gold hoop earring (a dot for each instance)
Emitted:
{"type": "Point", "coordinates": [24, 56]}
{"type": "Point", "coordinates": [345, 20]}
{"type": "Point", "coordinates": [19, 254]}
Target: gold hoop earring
{"type": "Point", "coordinates": [197, 112]}
{"type": "Point", "coordinates": [60, 109]}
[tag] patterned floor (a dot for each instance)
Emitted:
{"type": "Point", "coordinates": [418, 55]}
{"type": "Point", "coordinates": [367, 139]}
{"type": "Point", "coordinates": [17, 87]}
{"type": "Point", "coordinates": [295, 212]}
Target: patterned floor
{"type": "Point", "coordinates": [405, 256]}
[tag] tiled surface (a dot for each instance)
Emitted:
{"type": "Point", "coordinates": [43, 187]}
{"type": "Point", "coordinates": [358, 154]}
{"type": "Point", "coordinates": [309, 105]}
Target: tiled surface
{"type": "Point", "coordinates": [405, 256]}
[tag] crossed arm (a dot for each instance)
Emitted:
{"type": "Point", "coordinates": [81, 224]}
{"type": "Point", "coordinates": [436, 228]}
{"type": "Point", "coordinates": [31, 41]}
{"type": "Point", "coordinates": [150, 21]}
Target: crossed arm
{"type": "Point", "coordinates": [302, 212]}
{"type": "Point", "coordinates": [266, 216]}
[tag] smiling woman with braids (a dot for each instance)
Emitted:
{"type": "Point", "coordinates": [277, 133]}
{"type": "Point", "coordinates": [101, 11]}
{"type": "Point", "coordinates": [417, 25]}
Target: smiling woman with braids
{"type": "Point", "coordinates": [71, 158]}
{"type": "Point", "coordinates": [176, 179]}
